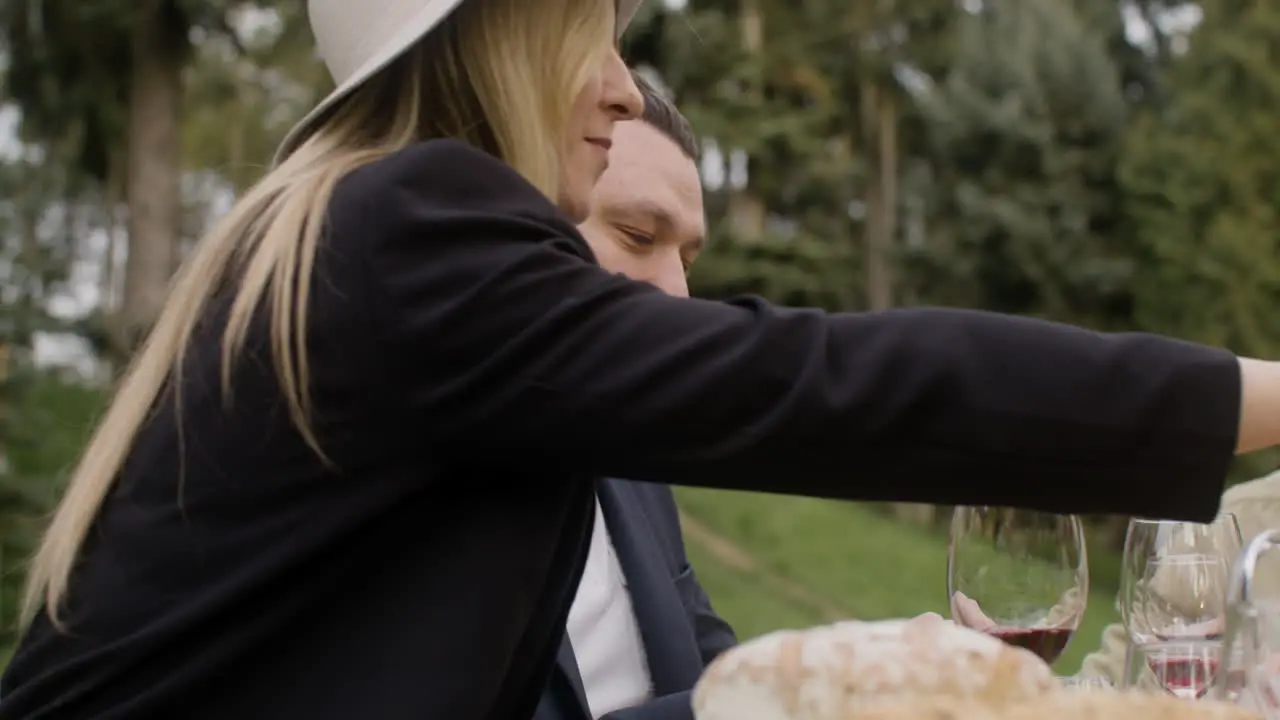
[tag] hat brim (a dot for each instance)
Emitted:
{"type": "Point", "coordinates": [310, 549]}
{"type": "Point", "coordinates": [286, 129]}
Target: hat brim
{"type": "Point", "coordinates": [424, 22]}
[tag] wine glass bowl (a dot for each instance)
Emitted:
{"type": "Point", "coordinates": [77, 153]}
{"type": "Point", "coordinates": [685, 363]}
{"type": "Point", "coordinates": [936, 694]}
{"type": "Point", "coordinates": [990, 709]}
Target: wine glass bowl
{"type": "Point", "coordinates": [1018, 575]}
{"type": "Point", "coordinates": [1184, 669]}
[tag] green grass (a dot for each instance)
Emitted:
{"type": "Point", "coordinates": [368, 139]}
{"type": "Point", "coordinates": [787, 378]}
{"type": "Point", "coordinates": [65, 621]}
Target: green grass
{"type": "Point", "coordinates": [871, 565]}
{"type": "Point", "coordinates": [750, 605]}
{"type": "Point", "coordinates": [49, 422]}
{"type": "Point", "coordinates": [56, 419]}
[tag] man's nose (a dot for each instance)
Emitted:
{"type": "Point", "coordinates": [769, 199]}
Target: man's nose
{"type": "Point", "coordinates": [671, 279]}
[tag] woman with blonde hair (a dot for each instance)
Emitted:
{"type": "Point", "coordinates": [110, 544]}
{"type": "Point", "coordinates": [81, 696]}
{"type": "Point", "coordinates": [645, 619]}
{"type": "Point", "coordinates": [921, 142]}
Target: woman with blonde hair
{"type": "Point", "coordinates": [351, 473]}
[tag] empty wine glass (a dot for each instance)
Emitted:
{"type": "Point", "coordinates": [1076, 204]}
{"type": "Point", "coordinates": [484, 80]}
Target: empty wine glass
{"type": "Point", "coordinates": [1173, 599]}
{"type": "Point", "coordinates": [1018, 575]}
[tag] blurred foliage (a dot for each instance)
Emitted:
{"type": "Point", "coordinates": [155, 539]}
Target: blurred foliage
{"type": "Point", "coordinates": [1026, 130]}
{"type": "Point", "coordinates": [48, 420]}
{"type": "Point", "coordinates": [1203, 186]}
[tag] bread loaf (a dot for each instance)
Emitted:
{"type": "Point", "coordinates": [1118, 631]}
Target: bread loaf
{"type": "Point", "coordinates": [1132, 705]}
{"type": "Point", "coordinates": [839, 672]}
{"type": "Point", "coordinates": [1073, 705]}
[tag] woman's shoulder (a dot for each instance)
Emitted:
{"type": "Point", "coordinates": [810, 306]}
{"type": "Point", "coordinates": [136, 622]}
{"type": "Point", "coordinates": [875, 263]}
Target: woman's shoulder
{"type": "Point", "coordinates": [415, 232]}
{"type": "Point", "coordinates": [444, 180]}
{"type": "Point", "coordinates": [1264, 488]}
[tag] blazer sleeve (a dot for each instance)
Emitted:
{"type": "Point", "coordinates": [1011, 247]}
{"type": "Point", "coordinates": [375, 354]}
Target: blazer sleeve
{"type": "Point", "coordinates": [499, 334]}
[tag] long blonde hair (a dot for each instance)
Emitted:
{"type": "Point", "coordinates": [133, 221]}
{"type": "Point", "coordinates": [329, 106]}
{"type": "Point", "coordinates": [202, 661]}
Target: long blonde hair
{"type": "Point", "coordinates": [499, 74]}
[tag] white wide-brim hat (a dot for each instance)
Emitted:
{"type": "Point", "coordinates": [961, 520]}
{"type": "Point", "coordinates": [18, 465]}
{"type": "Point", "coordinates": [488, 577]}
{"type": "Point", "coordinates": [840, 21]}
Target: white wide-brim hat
{"type": "Point", "coordinates": [357, 38]}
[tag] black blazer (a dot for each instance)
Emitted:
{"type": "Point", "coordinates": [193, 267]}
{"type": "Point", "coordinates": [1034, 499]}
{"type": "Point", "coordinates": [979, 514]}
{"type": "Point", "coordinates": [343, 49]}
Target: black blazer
{"type": "Point", "coordinates": [680, 631]}
{"type": "Point", "coordinates": [473, 372]}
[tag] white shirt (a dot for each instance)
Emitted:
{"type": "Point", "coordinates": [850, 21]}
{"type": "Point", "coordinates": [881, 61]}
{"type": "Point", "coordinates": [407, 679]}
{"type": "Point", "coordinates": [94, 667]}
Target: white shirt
{"type": "Point", "coordinates": [604, 634]}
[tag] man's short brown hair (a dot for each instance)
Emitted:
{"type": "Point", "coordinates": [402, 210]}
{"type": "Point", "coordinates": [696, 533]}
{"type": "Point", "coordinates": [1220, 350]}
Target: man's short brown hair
{"type": "Point", "coordinates": [662, 115]}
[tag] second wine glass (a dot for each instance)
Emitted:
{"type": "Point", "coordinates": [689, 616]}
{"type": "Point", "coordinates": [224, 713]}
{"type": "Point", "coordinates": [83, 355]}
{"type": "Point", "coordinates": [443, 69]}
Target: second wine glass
{"type": "Point", "coordinates": [1173, 600]}
{"type": "Point", "coordinates": [1019, 575]}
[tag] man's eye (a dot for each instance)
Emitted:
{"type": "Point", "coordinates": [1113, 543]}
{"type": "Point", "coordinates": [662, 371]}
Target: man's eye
{"type": "Point", "coordinates": [638, 239]}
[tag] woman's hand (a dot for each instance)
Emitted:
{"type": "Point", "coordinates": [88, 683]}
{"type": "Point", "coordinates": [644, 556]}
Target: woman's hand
{"type": "Point", "coordinates": [965, 611]}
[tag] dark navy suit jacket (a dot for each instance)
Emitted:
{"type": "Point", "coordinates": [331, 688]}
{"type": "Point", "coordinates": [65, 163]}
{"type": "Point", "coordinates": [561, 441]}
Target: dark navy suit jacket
{"type": "Point", "coordinates": [680, 631]}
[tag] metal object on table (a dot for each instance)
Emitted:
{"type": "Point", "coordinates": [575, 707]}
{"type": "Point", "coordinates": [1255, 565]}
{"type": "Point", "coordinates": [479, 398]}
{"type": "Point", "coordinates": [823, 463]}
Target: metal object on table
{"type": "Point", "coordinates": [1249, 673]}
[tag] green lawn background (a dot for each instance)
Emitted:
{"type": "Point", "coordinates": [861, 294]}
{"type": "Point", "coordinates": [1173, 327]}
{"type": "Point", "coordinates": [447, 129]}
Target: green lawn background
{"type": "Point", "coordinates": [845, 557]}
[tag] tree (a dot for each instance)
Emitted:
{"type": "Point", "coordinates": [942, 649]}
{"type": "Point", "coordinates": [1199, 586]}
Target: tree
{"type": "Point", "coordinates": [1026, 130]}
{"type": "Point", "coordinates": [106, 76]}
{"type": "Point", "coordinates": [811, 98]}
{"type": "Point", "coordinates": [244, 91]}
{"type": "Point", "coordinates": [780, 219]}
{"type": "Point", "coordinates": [1202, 178]}
{"type": "Point", "coordinates": [39, 229]}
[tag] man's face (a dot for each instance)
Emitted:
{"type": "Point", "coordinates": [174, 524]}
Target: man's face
{"type": "Point", "coordinates": [646, 219]}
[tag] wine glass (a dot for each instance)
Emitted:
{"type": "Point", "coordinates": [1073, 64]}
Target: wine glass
{"type": "Point", "coordinates": [1018, 575]}
{"type": "Point", "coordinates": [1174, 582]}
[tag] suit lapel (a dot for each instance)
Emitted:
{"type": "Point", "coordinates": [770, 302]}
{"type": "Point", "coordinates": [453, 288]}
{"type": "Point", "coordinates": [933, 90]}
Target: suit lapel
{"type": "Point", "coordinates": [669, 641]}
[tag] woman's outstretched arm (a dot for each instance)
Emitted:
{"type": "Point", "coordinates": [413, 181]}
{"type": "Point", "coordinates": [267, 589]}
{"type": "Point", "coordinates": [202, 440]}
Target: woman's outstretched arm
{"type": "Point", "coordinates": [1259, 406]}
{"type": "Point", "coordinates": [498, 337]}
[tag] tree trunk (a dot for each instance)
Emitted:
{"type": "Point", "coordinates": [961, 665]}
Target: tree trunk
{"type": "Point", "coordinates": [887, 165]}
{"type": "Point", "coordinates": [154, 169]}
{"type": "Point", "coordinates": [746, 212]}
{"type": "Point", "coordinates": [114, 349]}
{"type": "Point", "coordinates": [109, 278]}
{"type": "Point", "coordinates": [877, 108]}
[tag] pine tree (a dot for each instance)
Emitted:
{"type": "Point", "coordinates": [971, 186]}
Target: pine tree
{"type": "Point", "coordinates": [1026, 130]}
{"type": "Point", "coordinates": [1203, 178]}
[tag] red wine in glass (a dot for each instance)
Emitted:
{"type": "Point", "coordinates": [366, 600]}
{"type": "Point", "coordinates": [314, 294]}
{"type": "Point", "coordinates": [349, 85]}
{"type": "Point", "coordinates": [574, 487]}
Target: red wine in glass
{"type": "Point", "coordinates": [1018, 575]}
{"type": "Point", "coordinates": [1187, 670]}
{"type": "Point", "coordinates": [1046, 643]}
{"type": "Point", "coordinates": [1186, 677]}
